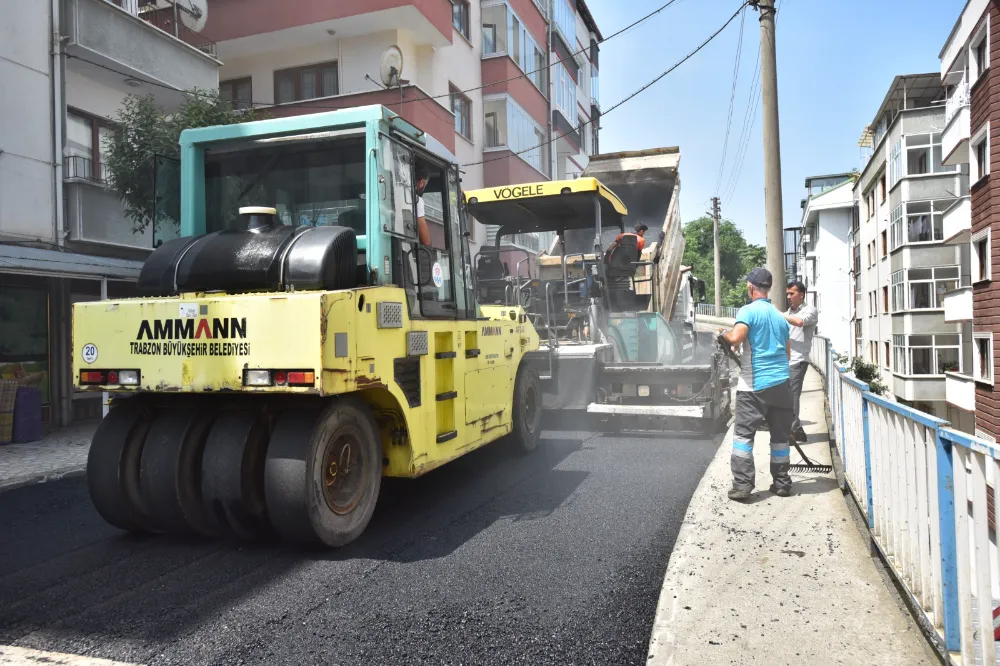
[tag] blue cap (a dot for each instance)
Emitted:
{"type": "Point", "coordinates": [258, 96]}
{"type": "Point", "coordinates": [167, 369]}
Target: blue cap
{"type": "Point", "coordinates": [760, 278]}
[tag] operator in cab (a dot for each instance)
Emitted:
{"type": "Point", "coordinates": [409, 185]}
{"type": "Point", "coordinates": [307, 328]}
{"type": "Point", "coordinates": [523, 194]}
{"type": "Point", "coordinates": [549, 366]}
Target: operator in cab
{"type": "Point", "coordinates": [639, 230]}
{"type": "Point", "coordinates": [763, 392]}
{"type": "Point", "coordinates": [423, 176]}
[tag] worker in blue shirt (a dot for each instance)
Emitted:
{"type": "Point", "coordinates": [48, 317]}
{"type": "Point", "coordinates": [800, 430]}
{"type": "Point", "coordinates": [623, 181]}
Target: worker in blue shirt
{"type": "Point", "coordinates": [763, 392]}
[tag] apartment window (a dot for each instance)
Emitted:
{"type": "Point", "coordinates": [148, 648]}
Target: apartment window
{"type": "Point", "coordinates": [923, 155]}
{"type": "Point", "coordinates": [881, 188]}
{"type": "Point", "coordinates": [595, 85]}
{"type": "Point", "coordinates": [87, 139]}
{"type": "Point", "coordinates": [594, 145]}
{"type": "Point", "coordinates": [980, 143]}
{"type": "Point", "coordinates": [885, 300]}
{"type": "Point", "coordinates": [895, 162]}
{"type": "Point", "coordinates": [980, 50]}
{"type": "Point", "coordinates": [924, 222]}
{"type": "Point", "coordinates": [982, 269]}
{"type": "Point", "coordinates": [884, 244]}
{"type": "Point", "coordinates": [927, 354]}
{"type": "Point", "coordinates": [922, 288]}
{"type": "Point", "coordinates": [461, 106]}
{"type": "Point", "coordinates": [508, 126]}
{"type": "Point", "coordinates": [460, 17]}
{"type": "Point", "coordinates": [983, 350]}
{"type": "Point", "coordinates": [565, 92]}
{"type": "Point", "coordinates": [310, 82]}
{"type": "Point", "coordinates": [505, 33]}
{"type": "Point", "coordinates": [868, 249]}
{"type": "Point", "coordinates": [885, 355]}
{"type": "Point", "coordinates": [858, 344]}
{"type": "Point", "coordinates": [565, 20]}
{"type": "Point", "coordinates": [238, 92]}
{"type": "Point", "coordinates": [581, 128]}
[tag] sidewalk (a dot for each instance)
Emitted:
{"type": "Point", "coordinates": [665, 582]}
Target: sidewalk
{"type": "Point", "coordinates": [779, 580]}
{"type": "Point", "coordinates": [61, 453]}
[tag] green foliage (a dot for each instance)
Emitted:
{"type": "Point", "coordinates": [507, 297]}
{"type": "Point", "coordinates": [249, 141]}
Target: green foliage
{"type": "Point", "coordinates": [869, 374]}
{"type": "Point", "coordinates": [736, 258]}
{"type": "Point", "coordinates": [144, 132]}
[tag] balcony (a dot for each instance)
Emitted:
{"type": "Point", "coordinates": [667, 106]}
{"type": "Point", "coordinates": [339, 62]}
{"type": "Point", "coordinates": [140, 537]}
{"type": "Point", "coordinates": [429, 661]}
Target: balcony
{"type": "Point", "coordinates": [955, 139]}
{"type": "Point", "coordinates": [958, 305]}
{"type": "Point", "coordinates": [957, 221]}
{"type": "Point", "coordinates": [125, 42]}
{"type": "Point", "coordinates": [960, 391]}
{"type": "Point", "coordinates": [94, 212]}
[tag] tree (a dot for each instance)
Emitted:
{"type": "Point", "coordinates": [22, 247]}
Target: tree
{"type": "Point", "coordinates": [144, 133]}
{"type": "Point", "coordinates": [736, 258]}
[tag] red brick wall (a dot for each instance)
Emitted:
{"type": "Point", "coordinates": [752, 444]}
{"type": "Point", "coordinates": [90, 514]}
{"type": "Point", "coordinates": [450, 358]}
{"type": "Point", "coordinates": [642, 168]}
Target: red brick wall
{"type": "Point", "coordinates": [985, 106]}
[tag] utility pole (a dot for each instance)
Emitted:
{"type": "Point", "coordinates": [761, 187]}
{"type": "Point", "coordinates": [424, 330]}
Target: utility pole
{"type": "Point", "coordinates": [772, 152]}
{"type": "Point", "coordinates": [718, 267]}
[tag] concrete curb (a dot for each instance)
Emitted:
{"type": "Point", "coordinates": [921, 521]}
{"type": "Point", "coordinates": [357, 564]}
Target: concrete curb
{"type": "Point", "coordinates": [16, 482]}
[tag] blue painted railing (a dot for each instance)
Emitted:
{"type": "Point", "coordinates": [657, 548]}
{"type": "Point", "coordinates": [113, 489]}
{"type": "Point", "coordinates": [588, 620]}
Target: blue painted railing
{"type": "Point", "coordinates": [925, 490]}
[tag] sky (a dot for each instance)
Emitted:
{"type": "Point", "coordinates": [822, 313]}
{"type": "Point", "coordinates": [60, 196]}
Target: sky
{"type": "Point", "coordinates": [836, 61]}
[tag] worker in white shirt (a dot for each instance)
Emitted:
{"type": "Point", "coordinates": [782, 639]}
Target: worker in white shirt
{"type": "Point", "coordinates": [802, 320]}
{"type": "Point", "coordinates": [423, 175]}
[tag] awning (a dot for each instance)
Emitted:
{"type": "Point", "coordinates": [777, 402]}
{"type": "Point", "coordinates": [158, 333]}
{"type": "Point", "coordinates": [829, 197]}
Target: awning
{"type": "Point", "coordinates": [20, 259]}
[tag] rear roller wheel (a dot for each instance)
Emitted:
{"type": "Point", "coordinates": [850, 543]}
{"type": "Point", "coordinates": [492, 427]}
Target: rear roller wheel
{"type": "Point", "coordinates": [113, 468]}
{"type": "Point", "coordinates": [527, 409]}
{"type": "Point", "coordinates": [170, 474]}
{"type": "Point", "coordinates": [323, 473]}
{"type": "Point", "coordinates": [232, 474]}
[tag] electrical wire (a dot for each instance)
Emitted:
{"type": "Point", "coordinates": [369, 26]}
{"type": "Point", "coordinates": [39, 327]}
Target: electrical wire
{"type": "Point", "coordinates": [307, 104]}
{"type": "Point", "coordinates": [749, 118]}
{"type": "Point", "coordinates": [732, 101]}
{"type": "Point", "coordinates": [629, 97]}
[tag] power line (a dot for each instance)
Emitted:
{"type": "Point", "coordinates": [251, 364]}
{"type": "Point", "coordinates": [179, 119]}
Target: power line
{"type": "Point", "coordinates": [425, 98]}
{"type": "Point", "coordinates": [749, 117]}
{"type": "Point", "coordinates": [732, 100]}
{"type": "Point", "coordinates": [629, 97]}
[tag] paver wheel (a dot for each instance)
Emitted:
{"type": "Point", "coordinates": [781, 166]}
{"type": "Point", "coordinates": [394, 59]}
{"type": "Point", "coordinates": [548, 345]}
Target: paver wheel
{"type": "Point", "coordinates": [324, 472]}
{"type": "Point", "coordinates": [170, 472]}
{"type": "Point", "coordinates": [232, 473]}
{"type": "Point", "coordinates": [113, 468]}
{"type": "Point", "coordinates": [527, 409]}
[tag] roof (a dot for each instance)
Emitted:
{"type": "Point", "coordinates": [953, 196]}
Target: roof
{"type": "Point", "coordinates": [588, 19]}
{"type": "Point", "coordinates": [847, 174]}
{"type": "Point", "coordinates": [910, 91]}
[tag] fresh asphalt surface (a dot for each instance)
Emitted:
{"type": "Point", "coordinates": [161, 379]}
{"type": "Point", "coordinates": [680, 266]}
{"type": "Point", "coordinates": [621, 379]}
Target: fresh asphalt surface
{"type": "Point", "coordinates": [552, 558]}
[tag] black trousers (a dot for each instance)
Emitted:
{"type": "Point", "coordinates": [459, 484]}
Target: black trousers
{"type": "Point", "coordinates": [773, 405]}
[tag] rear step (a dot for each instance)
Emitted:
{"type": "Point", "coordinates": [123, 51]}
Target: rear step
{"type": "Point", "coordinates": [686, 411]}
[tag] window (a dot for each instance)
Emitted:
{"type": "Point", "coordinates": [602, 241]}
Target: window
{"type": "Point", "coordinates": [923, 155]}
{"type": "Point", "coordinates": [238, 92]}
{"type": "Point", "coordinates": [924, 222]}
{"type": "Point", "coordinates": [980, 143]}
{"type": "Point", "coordinates": [460, 17]}
{"type": "Point", "coordinates": [881, 188]}
{"type": "Point", "coordinates": [24, 329]}
{"type": "Point", "coordinates": [983, 361]}
{"type": "Point", "coordinates": [982, 269]}
{"type": "Point", "coordinates": [980, 51]}
{"type": "Point", "coordinates": [309, 82]}
{"type": "Point", "coordinates": [581, 128]}
{"type": "Point", "coordinates": [595, 86]}
{"type": "Point", "coordinates": [885, 244]}
{"type": "Point", "coordinates": [509, 126]}
{"type": "Point", "coordinates": [565, 20]}
{"type": "Point", "coordinates": [505, 34]}
{"type": "Point", "coordinates": [565, 92]}
{"type": "Point", "coordinates": [461, 106]}
{"type": "Point", "coordinates": [895, 162]}
{"type": "Point", "coordinates": [885, 355]}
{"type": "Point", "coordinates": [924, 287]}
{"type": "Point", "coordinates": [87, 140]}
{"type": "Point", "coordinates": [927, 354]}
{"type": "Point", "coordinates": [857, 338]}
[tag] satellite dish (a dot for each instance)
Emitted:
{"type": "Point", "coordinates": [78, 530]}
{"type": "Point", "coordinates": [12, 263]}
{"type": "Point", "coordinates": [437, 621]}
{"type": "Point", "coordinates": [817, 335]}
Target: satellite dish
{"type": "Point", "coordinates": [391, 65]}
{"type": "Point", "coordinates": [194, 14]}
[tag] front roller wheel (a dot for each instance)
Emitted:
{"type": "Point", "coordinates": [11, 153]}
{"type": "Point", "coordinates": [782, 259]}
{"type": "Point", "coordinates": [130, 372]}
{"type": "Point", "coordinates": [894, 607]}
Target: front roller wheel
{"type": "Point", "coordinates": [527, 409]}
{"type": "Point", "coordinates": [324, 486]}
{"type": "Point", "coordinates": [113, 468]}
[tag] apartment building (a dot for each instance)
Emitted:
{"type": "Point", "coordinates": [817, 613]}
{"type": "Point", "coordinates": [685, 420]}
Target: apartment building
{"type": "Point", "coordinates": [824, 253]}
{"type": "Point", "coordinates": [970, 222]}
{"type": "Point", "coordinates": [508, 86]}
{"type": "Point", "coordinates": [903, 268]}
{"type": "Point", "coordinates": [63, 236]}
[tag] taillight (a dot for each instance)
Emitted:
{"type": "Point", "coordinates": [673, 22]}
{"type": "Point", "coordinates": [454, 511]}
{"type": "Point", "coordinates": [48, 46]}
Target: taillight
{"type": "Point", "coordinates": [279, 378]}
{"type": "Point", "coordinates": [301, 378]}
{"type": "Point", "coordinates": [110, 377]}
{"type": "Point", "coordinates": [91, 376]}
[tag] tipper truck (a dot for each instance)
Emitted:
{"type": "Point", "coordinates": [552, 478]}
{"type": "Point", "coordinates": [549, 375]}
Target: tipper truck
{"type": "Point", "coordinates": [619, 340]}
{"type": "Point", "coordinates": [295, 342]}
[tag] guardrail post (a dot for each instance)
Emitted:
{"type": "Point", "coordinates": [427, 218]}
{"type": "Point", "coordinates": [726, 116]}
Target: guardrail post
{"type": "Point", "coordinates": [840, 408]}
{"type": "Point", "coordinates": [868, 461]}
{"type": "Point", "coordinates": [946, 530]}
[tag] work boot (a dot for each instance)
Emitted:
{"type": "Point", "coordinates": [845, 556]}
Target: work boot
{"type": "Point", "coordinates": [800, 435]}
{"type": "Point", "coordinates": [780, 492]}
{"type": "Point", "coordinates": [740, 495]}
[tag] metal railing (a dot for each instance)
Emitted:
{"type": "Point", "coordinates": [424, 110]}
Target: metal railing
{"type": "Point", "coordinates": [960, 97]}
{"type": "Point", "coordinates": [76, 166]}
{"type": "Point", "coordinates": [926, 491]}
{"type": "Point", "coordinates": [169, 16]}
{"type": "Point", "coordinates": [708, 310]}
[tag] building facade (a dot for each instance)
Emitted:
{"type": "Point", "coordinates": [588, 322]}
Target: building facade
{"type": "Point", "coordinates": [509, 86]}
{"type": "Point", "coordinates": [969, 224]}
{"type": "Point", "coordinates": [823, 259]}
{"type": "Point", "coordinates": [63, 235]}
{"type": "Point", "coordinates": [903, 268]}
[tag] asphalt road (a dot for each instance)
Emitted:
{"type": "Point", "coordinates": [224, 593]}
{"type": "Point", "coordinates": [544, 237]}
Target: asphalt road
{"type": "Point", "coordinates": [552, 558]}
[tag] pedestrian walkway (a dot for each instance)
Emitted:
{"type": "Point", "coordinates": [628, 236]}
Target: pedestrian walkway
{"type": "Point", "coordinates": [61, 453]}
{"type": "Point", "coordinates": [779, 580]}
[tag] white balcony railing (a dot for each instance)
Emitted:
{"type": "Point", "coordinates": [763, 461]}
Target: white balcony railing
{"type": "Point", "coordinates": [959, 97]}
{"type": "Point", "coordinates": [957, 221]}
{"type": "Point", "coordinates": [958, 305]}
